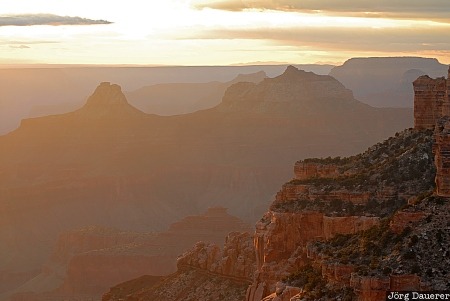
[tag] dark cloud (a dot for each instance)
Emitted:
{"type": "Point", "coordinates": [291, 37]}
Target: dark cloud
{"type": "Point", "coordinates": [18, 42]}
{"type": "Point", "coordinates": [426, 9]}
{"type": "Point", "coordinates": [46, 19]}
{"type": "Point", "coordinates": [20, 46]}
{"type": "Point", "coordinates": [344, 39]}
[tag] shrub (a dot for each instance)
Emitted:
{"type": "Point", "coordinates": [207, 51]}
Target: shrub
{"type": "Point", "coordinates": [413, 240]}
{"type": "Point", "coordinates": [409, 255]}
{"type": "Point", "coordinates": [415, 269]}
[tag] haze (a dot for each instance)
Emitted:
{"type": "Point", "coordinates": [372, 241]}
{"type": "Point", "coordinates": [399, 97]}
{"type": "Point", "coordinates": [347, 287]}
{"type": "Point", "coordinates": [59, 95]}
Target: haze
{"type": "Point", "coordinates": [132, 130]}
{"type": "Point", "coordinates": [196, 32]}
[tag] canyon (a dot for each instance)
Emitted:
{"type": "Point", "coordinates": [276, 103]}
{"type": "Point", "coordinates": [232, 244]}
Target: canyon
{"type": "Point", "coordinates": [317, 249]}
{"type": "Point", "coordinates": [347, 228]}
{"type": "Point", "coordinates": [111, 165]}
{"type": "Point", "coordinates": [379, 82]}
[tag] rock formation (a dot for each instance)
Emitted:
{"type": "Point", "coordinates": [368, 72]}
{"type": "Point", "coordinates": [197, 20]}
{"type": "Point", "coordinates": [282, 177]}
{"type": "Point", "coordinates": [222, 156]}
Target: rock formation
{"type": "Point", "coordinates": [281, 241]}
{"type": "Point", "coordinates": [182, 98]}
{"type": "Point", "coordinates": [105, 96]}
{"type": "Point", "coordinates": [112, 165]}
{"type": "Point", "coordinates": [403, 219]}
{"type": "Point", "coordinates": [204, 273]}
{"type": "Point", "coordinates": [442, 156]}
{"type": "Point", "coordinates": [306, 170]}
{"type": "Point", "coordinates": [432, 111]}
{"type": "Point", "coordinates": [374, 288]}
{"type": "Point", "coordinates": [283, 293]}
{"type": "Point", "coordinates": [305, 207]}
{"type": "Point", "coordinates": [235, 261]}
{"type": "Point", "coordinates": [317, 243]}
{"type": "Point", "coordinates": [328, 238]}
{"type": "Point", "coordinates": [386, 81]}
{"type": "Point", "coordinates": [431, 101]}
{"type": "Point", "coordinates": [58, 90]}
{"type": "Point", "coordinates": [294, 88]}
{"type": "Point", "coordinates": [88, 261]}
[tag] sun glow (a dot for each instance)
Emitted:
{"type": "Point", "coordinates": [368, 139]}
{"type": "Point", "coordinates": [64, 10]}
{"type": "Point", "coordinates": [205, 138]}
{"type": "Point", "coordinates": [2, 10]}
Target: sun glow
{"type": "Point", "coordinates": [173, 32]}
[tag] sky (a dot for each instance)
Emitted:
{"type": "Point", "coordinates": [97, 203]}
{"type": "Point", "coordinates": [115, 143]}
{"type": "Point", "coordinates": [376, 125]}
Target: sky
{"type": "Point", "coordinates": [220, 32]}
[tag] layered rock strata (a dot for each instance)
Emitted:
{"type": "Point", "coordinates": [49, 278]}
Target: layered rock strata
{"type": "Point", "coordinates": [292, 192]}
{"type": "Point", "coordinates": [442, 156]}
{"type": "Point", "coordinates": [310, 223]}
{"type": "Point", "coordinates": [281, 241]}
{"type": "Point", "coordinates": [408, 253]}
{"type": "Point", "coordinates": [311, 229]}
{"type": "Point", "coordinates": [283, 293]}
{"type": "Point", "coordinates": [236, 260]}
{"type": "Point", "coordinates": [318, 204]}
{"type": "Point", "coordinates": [205, 273]}
{"type": "Point", "coordinates": [306, 170]}
{"type": "Point", "coordinates": [403, 219]}
{"type": "Point", "coordinates": [370, 288]}
{"type": "Point", "coordinates": [431, 100]}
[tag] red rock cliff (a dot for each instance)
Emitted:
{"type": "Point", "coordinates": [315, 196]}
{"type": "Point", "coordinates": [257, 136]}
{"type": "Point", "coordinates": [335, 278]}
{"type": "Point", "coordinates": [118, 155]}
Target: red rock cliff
{"type": "Point", "coordinates": [431, 100]}
{"type": "Point", "coordinates": [281, 243]}
{"type": "Point", "coordinates": [305, 170]}
{"type": "Point", "coordinates": [371, 288]}
{"type": "Point", "coordinates": [235, 261]}
{"type": "Point", "coordinates": [442, 156]}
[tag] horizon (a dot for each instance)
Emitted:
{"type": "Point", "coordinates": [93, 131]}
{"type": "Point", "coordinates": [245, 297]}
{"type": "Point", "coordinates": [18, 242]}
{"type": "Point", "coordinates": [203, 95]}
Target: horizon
{"type": "Point", "coordinates": [256, 64]}
{"type": "Point", "coordinates": [220, 33]}
{"type": "Point", "coordinates": [320, 128]}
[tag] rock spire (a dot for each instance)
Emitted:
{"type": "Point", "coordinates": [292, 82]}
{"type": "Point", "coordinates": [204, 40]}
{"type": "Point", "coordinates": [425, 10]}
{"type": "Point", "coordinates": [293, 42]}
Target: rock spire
{"type": "Point", "coordinates": [431, 100]}
{"type": "Point", "coordinates": [108, 99]}
{"type": "Point", "coordinates": [107, 94]}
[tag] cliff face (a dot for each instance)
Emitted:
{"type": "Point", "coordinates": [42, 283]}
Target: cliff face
{"type": "Point", "coordinates": [314, 243]}
{"type": "Point", "coordinates": [345, 228]}
{"type": "Point", "coordinates": [307, 170]}
{"type": "Point", "coordinates": [442, 156]}
{"type": "Point", "coordinates": [281, 241]}
{"type": "Point", "coordinates": [363, 183]}
{"type": "Point", "coordinates": [404, 253]}
{"type": "Point", "coordinates": [430, 101]}
{"type": "Point", "coordinates": [318, 245]}
{"type": "Point", "coordinates": [389, 250]}
{"type": "Point", "coordinates": [204, 273]}
{"type": "Point", "coordinates": [236, 260]}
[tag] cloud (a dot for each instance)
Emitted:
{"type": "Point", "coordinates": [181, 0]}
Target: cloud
{"type": "Point", "coordinates": [19, 46]}
{"type": "Point", "coordinates": [46, 19]}
{"type": "Point", "coordinates": [343, 39]}
{"type": "Point", "coordinates": [431, 9]}
{"type": "Point", "coordinates": [18, 42]}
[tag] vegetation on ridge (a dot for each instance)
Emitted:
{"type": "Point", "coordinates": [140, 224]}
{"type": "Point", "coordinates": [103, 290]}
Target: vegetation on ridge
{"type": "Point", "coordinates": [404, 164]}
{"type": "Point", "coordinates": [390, 172]}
